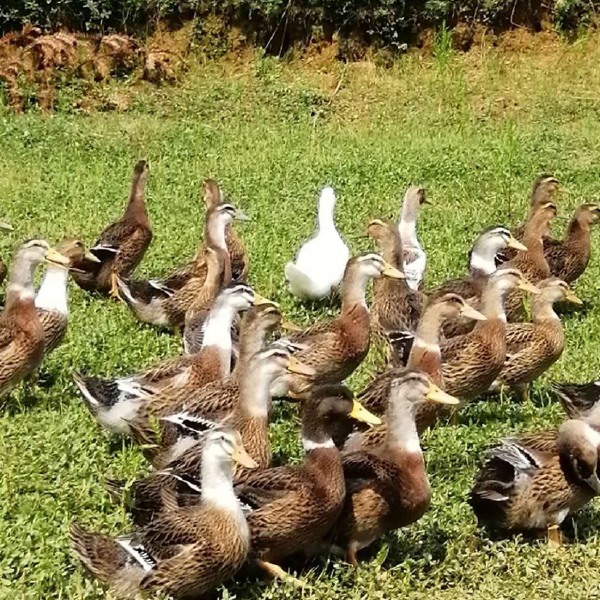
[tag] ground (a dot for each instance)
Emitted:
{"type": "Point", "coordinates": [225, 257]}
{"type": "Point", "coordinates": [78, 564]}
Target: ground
{"type": "Point", "coordinates": [475, 129]}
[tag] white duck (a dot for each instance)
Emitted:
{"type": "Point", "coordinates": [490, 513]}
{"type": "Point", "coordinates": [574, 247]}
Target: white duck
{"type": "Point", "coordinates": [414, 257]}
{"type": "Point", "coordinates": [321, 261]}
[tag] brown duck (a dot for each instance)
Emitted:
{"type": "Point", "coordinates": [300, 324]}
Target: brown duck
{"type": "Point", "coordinates": [185, 552]}
{"type": "Point", "coordinates": [386, 482]}
{"type": "Point", "coordinates": [21, 333]}
{"type": "Point", "coordinates": [121, 246]}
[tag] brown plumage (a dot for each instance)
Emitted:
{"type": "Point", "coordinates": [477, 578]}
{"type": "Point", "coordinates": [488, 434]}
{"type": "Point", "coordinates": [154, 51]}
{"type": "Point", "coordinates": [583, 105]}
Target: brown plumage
{"type": "Point", "coordinates": [122, 245]}
{"type": "Point", "coordinates": [21, 332]}
{"type": "Point", "coordinates": [294, 507]}
{"type": "Point", "coordinates": [386, 482]}
{"type": "Point", "coordinates": [521, 488]}
{"type": "Point", "coordinates": [335, 348]}
{"type": "Point", "coordinates": [185, 552]}
{"type": "Point", "coordinates": [568, 258]}
{"type": "Point", "coordinates": [532, 348]}
{"type": "Point", "coordinates": [532, 263]}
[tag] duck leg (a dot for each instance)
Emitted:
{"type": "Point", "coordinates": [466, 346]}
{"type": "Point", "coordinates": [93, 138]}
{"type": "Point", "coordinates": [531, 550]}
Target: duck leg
{"type": "Point", "coordinates": [277, 572]}
{"type": "Point", "coordinates": [554, 536]}
{"type": "Point", "coordinates": [351, 555]}
{"type": "Point", "coordinates": [114, 288]}
{"type": "Point", "coordinates": [521, 390]}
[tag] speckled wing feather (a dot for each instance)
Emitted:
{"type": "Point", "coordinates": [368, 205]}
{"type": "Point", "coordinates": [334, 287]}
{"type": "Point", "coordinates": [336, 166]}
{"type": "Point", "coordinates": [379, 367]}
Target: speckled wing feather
{"type": "Point", "coordinates": [518, 336]}
{"type": "Point", "coordinates": [7, 334]}
{"type": "Point", "coordinates": [542, 441]}
{"type": "Point", "coordinates": [166, 369]}
{"type": "Point", "coordinates": [454, 347]}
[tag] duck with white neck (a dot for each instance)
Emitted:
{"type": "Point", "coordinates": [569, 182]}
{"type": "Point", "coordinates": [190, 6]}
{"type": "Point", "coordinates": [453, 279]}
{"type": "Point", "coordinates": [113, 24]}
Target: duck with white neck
{"type": "Point", "coordinates": [415, 260]}
{"type": "Point", "coordinates": [155, 558]}
{"type": "Point", "coordinates": [321, 261]}
{"type": "Point", "coordinates": [386, 481]}
{"type": "Point", "coordinates": [293, 507]}
{"type": "Point", "coordinates": [120, 403]}
{"type": "Point", "coordinates": [181, 447]}
{"type": "Point", "coordinates": [21, 331]}
{"type": "Point", "coordinates": [51, 300]}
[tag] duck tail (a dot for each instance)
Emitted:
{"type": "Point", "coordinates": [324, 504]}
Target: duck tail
{"type": "Point", "coordinates": [577, 398]}
{"type": "Point", "coordinates": [299, 282]}
{"type": "Point", "coordinates": [147, 306]}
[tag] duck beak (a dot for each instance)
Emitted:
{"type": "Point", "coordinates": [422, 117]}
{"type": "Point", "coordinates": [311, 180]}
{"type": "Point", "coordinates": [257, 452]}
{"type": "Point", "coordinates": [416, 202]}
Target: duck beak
{"type": "Point", "coordinates": [289, 326]}
{"type": "Point", "coordinates": [516, 244]}
{"type": "Point", "coordinates": [470, 313]}
{"type": "Point", "coordinates": [436, 394]}
{"type": "Point", "coordinates": [295, 366]}
{"type": "Point", "coordinates": [261, 300]}
{"type": "Point", "coordinates": [91, 257]}
{"type": "Point", "coordinates": [6, 226]}
{"type": "Point", "coordinates": [571, 297]}
{"type": "Point", "coordinates": [241, 457]}
{"type": "Point", "coordinates": [241, 216]}
{"type": "Point", "coordinates": [526, 286]}
{"type": "Point", "coordinates": [295, 395]}
{"type": "Point", "coordinates": [360, 413]}
{"type": "Point", "coordinates": [54, 257]}
{"type": "Point", "coordinates": [594, 482]}
{"type": "Point", "coordinates": [389, 271]}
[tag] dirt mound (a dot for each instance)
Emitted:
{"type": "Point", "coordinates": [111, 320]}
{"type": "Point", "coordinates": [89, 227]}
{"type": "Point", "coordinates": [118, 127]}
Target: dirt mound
{"type": "Point", "coordinates": [33, 65]}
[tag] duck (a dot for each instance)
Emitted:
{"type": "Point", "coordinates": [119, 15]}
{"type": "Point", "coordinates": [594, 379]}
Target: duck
{"type": "Point", "coordinates": [334, 348]}
{"type": "Point", "coordinates": [532, 263]}
{"type": "Point", "coordinates": [168, 309]}
{"type": "Point", "coordinates": [51, 300]}
{"type": "Point", "coordinates": [121, 246]}
{"type": "Point", "coordinates": [3, 268]}
{"type": "Point", "coordinates": [471, 362]}
{"type": "Point", "coordinates": [183, 553]}
{"type": "Point", "coordinates": [22, 337]}
{"type": "Point", "coordinates": [482, 264]}
{"type": "Point", "coordinates": [520, 488]}
{"type": "Point", "coordinates": [395, 306]}
{"type": "Point", "coordinates": [293, 507]}
{"type": "Point", "coordinates": [544, 190]}
{"type": "Point", "coordinates": [321, 261]}
{"type": "Point", "coordinates": [532, 348]}
{"type": "Point", "coordinates": [414, 258]}
{"type": "Point", "coordinates": [116, 403]}
{"type": "Point", "coordinates": [568, 258]}
{"type": "Point", "coordinates": [578, 399]}
{"type": "Point", "coordinates": [179, 458]}
{"type": "Point", "coordinates": [422, 353]}
{"type": "Point", "coordinates": [386, 483]}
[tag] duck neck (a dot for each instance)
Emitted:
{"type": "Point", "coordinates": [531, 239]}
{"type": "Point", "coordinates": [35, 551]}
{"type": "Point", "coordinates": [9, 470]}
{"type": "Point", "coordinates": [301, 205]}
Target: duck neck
{"type": "Point", "coordinates": [215, 236]}
{"type": "Point", "coordinates": [407, 225]}
{"type": "Point", "coordinates": [354, 290]}
{"type": "Point", "coordinates": [217, 483]}
{"type": "Point", "coordinates": [492, 304]}
{"type": "Point", "coordinates": [542, 310]}
{"type": "Point", "coordinates": [315, 434]}
{"type": "Point", "coordinates": [391, 250]}
{"type": "Point", "coordinates": [534, 232]}
{"type": "Point", "coordinates": [217, 333]}
{"type": "Point", "coordinates": [255, 395]}
{"type": "Point", "coordinates": [402, 431]}
{"type": "Point", "coordinates": [20, 292]}
{"type": "Point", "coordinates": [427, 337]}
{"type": "Point", "coordinates": [136, 206]}
{"type": "Point", "coordinates": [325, 218]}
{"type": "Point", "coordinates": [578, 233]}
{"type": "Point", "coordinates": [252, 340]}
{"type": "Point", "coordinates": [52, 294]}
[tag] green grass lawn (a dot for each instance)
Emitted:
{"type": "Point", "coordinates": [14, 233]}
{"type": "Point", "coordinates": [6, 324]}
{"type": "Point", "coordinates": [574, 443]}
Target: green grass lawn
{"type": "Point", "coordinates": [474, 129]}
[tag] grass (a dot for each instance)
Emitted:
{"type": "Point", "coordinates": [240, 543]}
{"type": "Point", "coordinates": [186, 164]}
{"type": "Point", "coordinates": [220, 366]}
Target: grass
{"type": "Point", "coordinates": [475, 129]}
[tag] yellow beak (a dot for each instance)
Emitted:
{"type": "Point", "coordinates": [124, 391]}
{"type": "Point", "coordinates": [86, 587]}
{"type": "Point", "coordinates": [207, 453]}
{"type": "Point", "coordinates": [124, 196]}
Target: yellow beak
{"type": "Point", "coordinates": [514, 243]}
{"type": "Point", "coordinates": [289, 326]}
{"type": "Point", "coordinates": [526, 286]}
{"type": "Point", "coordinates": [470, 313]}
{"type": "Point", "coordinates": [389, 271]}
{"type": "Point", "coordinates": [91, 257]}
{"type": "Point", "coordinates": [56, 258]}
{"type": "Point", "coordinates": [295, 366]}
{"type": "Point", "coordinates": [360, 413]}
{"type": "Point", "coordinates": [260, 300]}
{"type": "Point", "coordinates": [241, 457]}
{"type": "Point", "coordinates": [571, 297]}
{"type": "Point", "coordinates": [436, 394]}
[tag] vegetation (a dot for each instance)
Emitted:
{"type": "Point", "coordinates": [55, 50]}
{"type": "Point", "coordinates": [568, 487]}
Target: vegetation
{"type": "Point", "coordinates": [475, 129]}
